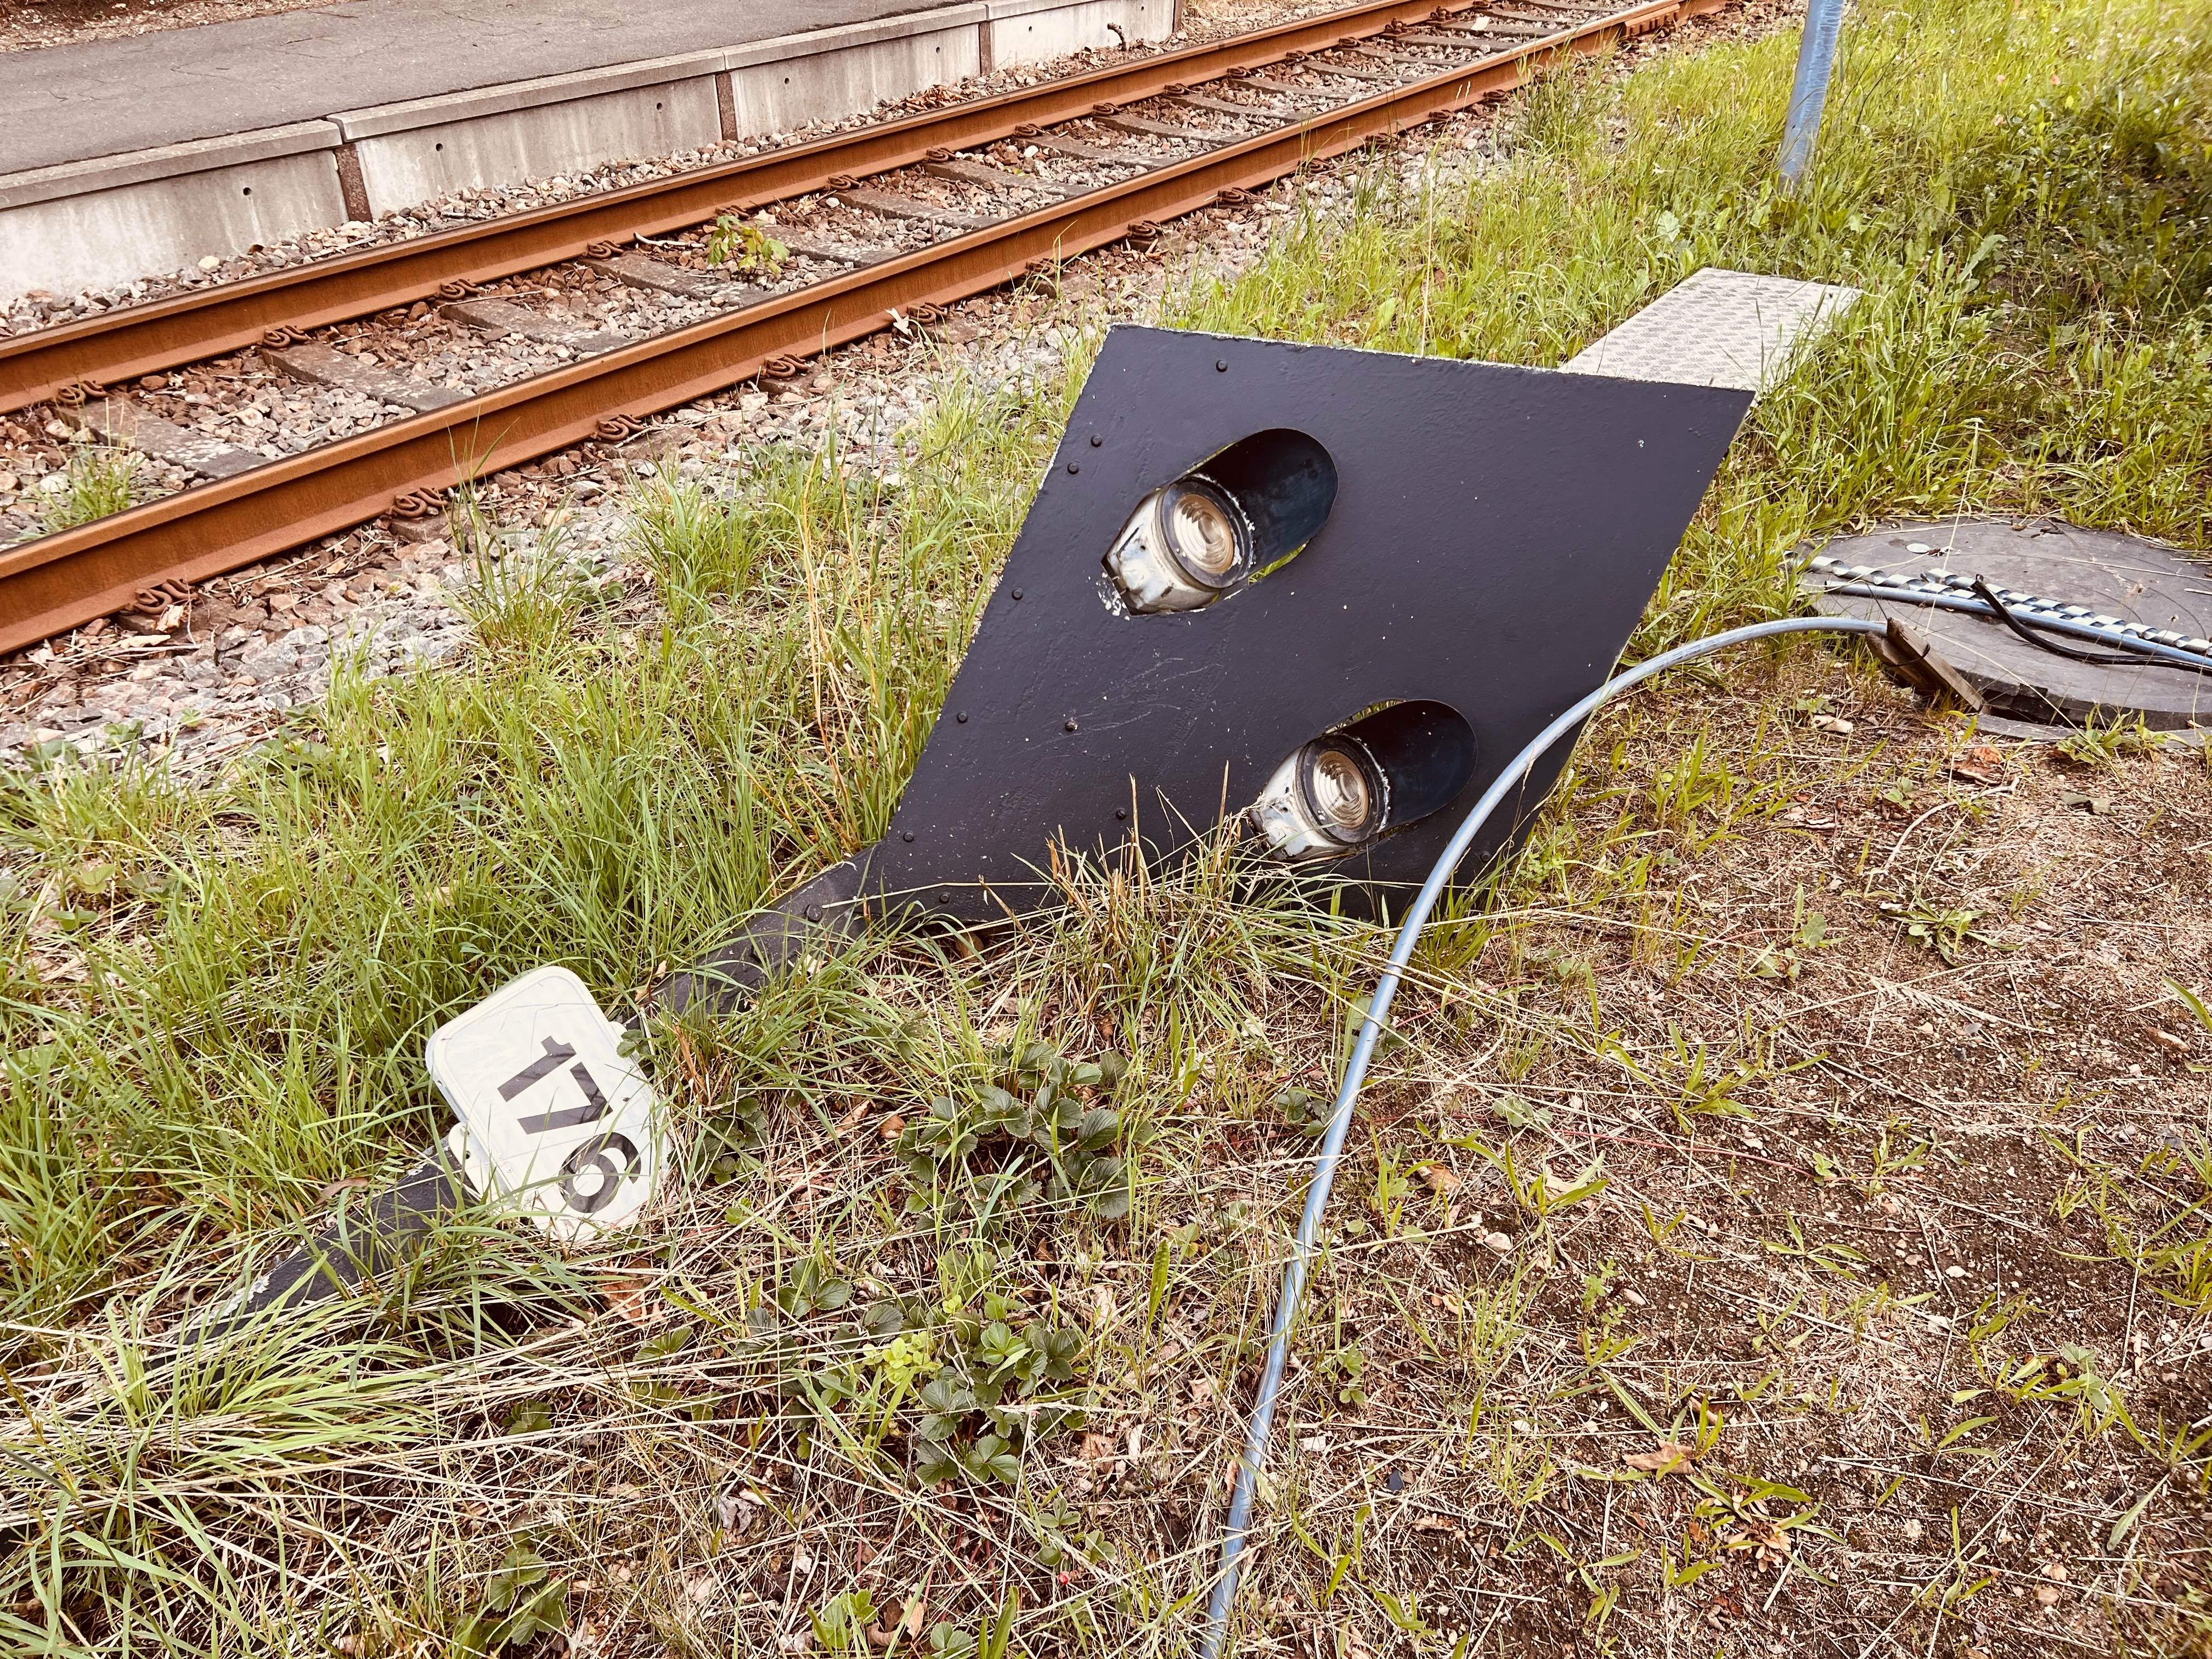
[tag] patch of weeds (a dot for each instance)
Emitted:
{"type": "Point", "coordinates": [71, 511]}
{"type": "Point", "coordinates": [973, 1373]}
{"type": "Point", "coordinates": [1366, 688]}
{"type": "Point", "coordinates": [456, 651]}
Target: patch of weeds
{"type": "Point", "coordinates": [842, 1625]}
{"type": "Point", "coordinates": [813, 1286]}
{"type": "Point", "coordinates": [1698, 782]}
{"type": "Point", "coordinates": [1394, 1185]}
{"type": "Point", "coordinates": [970, 1385]}
{"type": "Point", "coordinates": [1693, 1082]}
{"type": "Point", "coordinates": [698, 549]}
{"type": "Point", "coordinates": [1303, 1111]}
{"type": "Point", "coordinates": [1387, 1040]}
{"type": "Point", "coordinates": [994, 1641]}
{"type": "Point", "coordinates": [1808, 933]}
{"type": "Point", "coordinates": [2076, 1376]}
{"type": "Point", "coordinates": [978, 1413]}
{"type": "Point", "coordinates": [2174, 1256]}
{"type": "Point", "coordinates": [1899, 1151]}
{"type": "Point", "coordinates": [2103, 745]}
{"type": "Point", "coordinates": [723, 1149]}
{"type": "Point", "coordinates": [101, 480]}
{"type": "Point", "coordinates": [1900, 797]}
{"type": "Point", "coordinates": [1042, 1131]}
{"type": "Point", "coordinates": [1062, 1538]}
{"type": "Point", "coordinates": [1806, 706]}
{"type": "Point", "coordinates": [1936, 926]}
{"type": "Point", "coordinates": [524, 597]}
{"type": "Point", "coordinates": [1519, 1114]}
{"type": "Point", "coordinates": [1343, 1374]}
{"type": "Point", "coordinates": [522, 1602]}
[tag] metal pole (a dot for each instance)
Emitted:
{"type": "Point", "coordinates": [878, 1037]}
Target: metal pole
{"type": "Point", "coordinates": [1809, 92]}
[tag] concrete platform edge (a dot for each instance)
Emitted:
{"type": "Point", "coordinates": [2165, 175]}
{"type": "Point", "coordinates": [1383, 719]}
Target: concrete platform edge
{"type": "Point", "coordinates": [170, 161]}
{"type": "Point", "coordinates": [380, 119]}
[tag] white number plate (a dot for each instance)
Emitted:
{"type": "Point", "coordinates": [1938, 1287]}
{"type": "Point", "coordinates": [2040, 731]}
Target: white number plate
{"type": "Point", "coordinates": [553, 1120]}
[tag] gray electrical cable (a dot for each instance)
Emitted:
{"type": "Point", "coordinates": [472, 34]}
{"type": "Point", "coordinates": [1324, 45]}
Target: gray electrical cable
{"type": "Point", "coordinates": [1332, 1146]}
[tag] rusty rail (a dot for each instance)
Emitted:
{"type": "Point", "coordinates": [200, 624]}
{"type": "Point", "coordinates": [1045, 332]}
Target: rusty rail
{"type": "Point", "coordinates": [57, 581]}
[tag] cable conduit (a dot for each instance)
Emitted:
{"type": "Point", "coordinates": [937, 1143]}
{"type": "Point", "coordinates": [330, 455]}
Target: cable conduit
{"type": "Point", "coordinates": [2151, 650]}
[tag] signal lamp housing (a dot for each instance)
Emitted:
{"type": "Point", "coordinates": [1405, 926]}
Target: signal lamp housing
{"type": "Point", "coordinates": [1352, 786]}
{"type": "Point", "coordinates": [1242, 510]}
{"type": "Point", "coordinates": [1185, 545]}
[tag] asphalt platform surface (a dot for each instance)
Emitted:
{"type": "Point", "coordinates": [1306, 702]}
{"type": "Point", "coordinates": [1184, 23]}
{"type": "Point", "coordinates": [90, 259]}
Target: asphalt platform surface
{"type": "Point", "coordinates": [75, 103]}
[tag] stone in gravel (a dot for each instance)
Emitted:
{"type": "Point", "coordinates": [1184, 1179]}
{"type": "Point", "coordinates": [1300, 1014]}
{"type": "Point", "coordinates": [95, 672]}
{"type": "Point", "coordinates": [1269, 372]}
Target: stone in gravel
{"type": "Point", "coordinates": [120, 420]}
{"type": "Point", "coordinates": [1501, 1243]}
{"type": "Point", "coordinates": [428, 648]}
{"type": "Point", "coordinates": [268, 661]}
{"type": "Point", "coordinates": [319, 365]}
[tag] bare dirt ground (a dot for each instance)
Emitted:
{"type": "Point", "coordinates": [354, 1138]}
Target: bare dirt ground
{"type": "Point", "coordinates": [1832, 1139]}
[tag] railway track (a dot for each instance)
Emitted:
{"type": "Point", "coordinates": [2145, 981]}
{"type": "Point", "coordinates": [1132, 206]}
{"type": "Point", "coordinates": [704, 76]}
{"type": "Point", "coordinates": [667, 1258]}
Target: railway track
{"type": "Point", "coordinates": [366, 386]}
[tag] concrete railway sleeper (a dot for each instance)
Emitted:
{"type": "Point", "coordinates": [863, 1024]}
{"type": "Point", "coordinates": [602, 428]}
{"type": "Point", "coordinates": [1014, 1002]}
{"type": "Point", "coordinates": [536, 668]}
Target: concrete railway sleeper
{"type": "Point", "coordinates": [447, 368]}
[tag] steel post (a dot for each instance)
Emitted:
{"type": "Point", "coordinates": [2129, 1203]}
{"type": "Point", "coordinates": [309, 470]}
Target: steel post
{"type": "Point", "coordinates": [1809, 92]}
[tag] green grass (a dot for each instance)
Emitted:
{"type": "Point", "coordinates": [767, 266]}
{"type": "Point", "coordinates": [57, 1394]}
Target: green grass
{"type": "Point", "coordinates": [262, 961]}
{"type": "Point", "coordinates": [215, 999]}
{"type": "Point", "coordinates": [101, 480]}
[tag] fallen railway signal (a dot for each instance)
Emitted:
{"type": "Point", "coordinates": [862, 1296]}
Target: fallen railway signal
{"type": "Point", "coordinates": [1403, 567]}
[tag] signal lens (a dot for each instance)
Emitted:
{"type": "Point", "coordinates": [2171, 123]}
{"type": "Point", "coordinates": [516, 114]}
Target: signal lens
{"type": "Point", "coordinates": [1337, 792]}
{"type": "Point", "coordinates": [1350, 787]}
{"type": "Point", "coordinates": [1323, 801]}
{"type": "Point", "coordinates": [1184, 546]}
{"type": "Point", "coordinates": [1201, 535]}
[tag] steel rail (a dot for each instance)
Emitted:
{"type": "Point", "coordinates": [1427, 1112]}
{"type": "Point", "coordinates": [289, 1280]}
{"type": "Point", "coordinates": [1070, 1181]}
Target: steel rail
{"type": "Point", "coordinates": [141, 339]}
{"type": "Point", "coordinates": [57, 582]}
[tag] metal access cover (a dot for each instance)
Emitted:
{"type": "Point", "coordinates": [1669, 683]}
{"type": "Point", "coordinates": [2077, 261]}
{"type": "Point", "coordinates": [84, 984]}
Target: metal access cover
{"type": "Point", "coordinates": [2110, 574]}
{"type": "Point", "coordinates": [1718, 328]}
{"type": "Point", "coordinates": [1496, 534]}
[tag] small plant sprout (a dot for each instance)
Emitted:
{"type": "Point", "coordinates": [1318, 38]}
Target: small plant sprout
{"type": "Point", "coordinates": [522, 1601]}
{"type": "Point", "coordinates": [2104, 744]}
{"type": "Point", "coordinates": [738, 245]}
{"type": "Point", "coordinates": [1808, 932]}
{"type": "Point", "coordinates": [1936, 927]}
